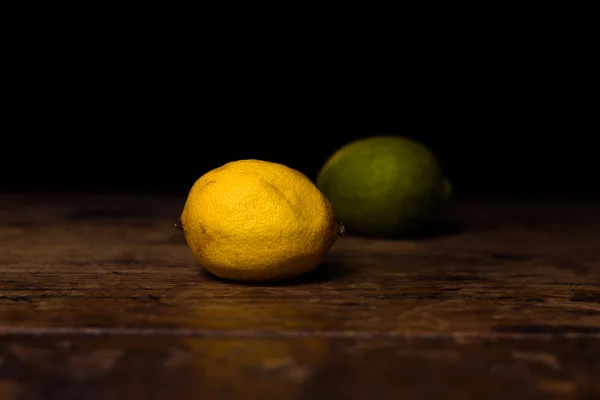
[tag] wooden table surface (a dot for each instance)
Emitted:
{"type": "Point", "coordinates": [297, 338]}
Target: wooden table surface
{"type": "Point", "coordinates": [100, 298]}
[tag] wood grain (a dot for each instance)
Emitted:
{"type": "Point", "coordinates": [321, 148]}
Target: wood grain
{"type": "Point", "coordinates": [117, 262]}
{"type": "Point", "coordinates": [503, 300]}
{"type": "Point", "coordinates": [157, 367]}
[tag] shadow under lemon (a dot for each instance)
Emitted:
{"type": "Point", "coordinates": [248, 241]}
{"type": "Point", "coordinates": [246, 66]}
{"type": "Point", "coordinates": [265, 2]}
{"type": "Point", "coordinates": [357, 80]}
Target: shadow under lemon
{"type": "Point", "coordinates": [330, 270]}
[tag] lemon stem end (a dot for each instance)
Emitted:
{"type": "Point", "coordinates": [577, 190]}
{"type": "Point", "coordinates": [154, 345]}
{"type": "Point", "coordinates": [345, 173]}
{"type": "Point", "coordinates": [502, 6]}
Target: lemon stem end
{"type": "Point", "coordinates": [341, 229]}
{"type": "Point", "coordinates": [178, 224]}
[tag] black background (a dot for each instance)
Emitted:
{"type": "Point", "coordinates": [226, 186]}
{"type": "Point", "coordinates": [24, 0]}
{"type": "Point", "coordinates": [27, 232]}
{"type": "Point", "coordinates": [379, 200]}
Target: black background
{"type": "Point", "coordinates": [148, 96]}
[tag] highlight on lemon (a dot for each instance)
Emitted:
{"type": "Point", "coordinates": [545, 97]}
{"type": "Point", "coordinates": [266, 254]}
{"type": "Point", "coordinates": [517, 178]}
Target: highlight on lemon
{"type": "Point", "coordinates": [254, 220]}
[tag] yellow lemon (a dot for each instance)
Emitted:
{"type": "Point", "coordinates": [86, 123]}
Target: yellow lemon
{"type": "Point", "coordinates": [253, 220]}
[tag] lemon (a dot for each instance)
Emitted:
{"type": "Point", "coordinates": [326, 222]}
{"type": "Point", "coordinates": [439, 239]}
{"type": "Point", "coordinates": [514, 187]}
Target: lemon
{"type": "Point", "coordinates": [254, 220]}
{"type": "Point", "coordinates": [384, 186]}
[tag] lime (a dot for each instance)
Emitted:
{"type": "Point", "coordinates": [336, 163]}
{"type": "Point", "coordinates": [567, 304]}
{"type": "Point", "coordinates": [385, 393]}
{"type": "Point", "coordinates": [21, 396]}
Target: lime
{"type": "Point", "coordinates": [384, 186]}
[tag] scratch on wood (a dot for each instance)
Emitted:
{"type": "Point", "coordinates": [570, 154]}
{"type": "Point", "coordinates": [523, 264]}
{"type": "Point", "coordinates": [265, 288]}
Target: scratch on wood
{"type": "Point", "coordinates": [571, 289]}
{"type": "Point", "coordinates": [85, 366]}
{"type": "Point", "coordinates": [548, 359]}
{"type": "Point", "coordinates": [421, 310]}
{"type": "Point", "coordinates": [17, 298]}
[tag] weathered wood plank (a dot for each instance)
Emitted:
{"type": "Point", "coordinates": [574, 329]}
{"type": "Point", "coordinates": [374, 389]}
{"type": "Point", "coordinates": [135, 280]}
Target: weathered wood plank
{"type": "Point", "coordinates": [125, 367]}
{"type": "Point", "coordinates": [100, 298]}
{"type": "Point", "coordinates": [117, 262]}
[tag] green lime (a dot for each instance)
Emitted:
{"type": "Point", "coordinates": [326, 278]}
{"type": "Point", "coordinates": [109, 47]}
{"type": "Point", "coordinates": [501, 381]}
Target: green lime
{"type": "Point", "coordinates": [384, 186]}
